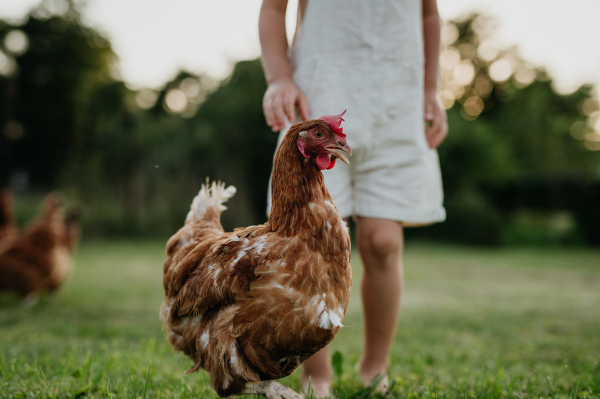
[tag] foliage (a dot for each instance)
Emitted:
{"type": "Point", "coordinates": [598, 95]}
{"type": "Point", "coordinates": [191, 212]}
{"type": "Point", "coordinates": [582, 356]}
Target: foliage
{"type": "Point", "coordinates": [476, 322]}
{"type": "Point", "coordinates": [44, 99]}
{"type": "Point", "coordinates": [159, 160]}
{"type": "Point", "coordinates": [134, 159]}
{"type": "Point", "coordinates": [515, 150]}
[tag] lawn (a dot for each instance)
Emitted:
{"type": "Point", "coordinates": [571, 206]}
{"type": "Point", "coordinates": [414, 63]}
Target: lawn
{"type": "Point", "coordinates": [485, 323]}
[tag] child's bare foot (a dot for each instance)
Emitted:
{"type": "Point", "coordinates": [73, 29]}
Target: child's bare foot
{"type": "Point", "coordinates": [369, 373]}
{"type": "Point", "coordinates": [317, 370]}
{"type": "Point", "coordinates": [320, 387]}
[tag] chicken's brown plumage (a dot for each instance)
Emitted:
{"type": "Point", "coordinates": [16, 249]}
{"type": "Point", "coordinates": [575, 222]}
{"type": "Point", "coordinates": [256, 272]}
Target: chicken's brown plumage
{"type": "Point", "coordinates": [8, 228]}
{"type": "Point", "coordinates": [252, 305]}
{"type": "Point", "coordinates": [40, 258]}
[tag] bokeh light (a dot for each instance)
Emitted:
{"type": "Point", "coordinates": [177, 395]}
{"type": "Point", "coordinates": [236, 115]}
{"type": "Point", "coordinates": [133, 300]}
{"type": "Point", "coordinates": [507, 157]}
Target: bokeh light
{"type": "Point", "coordinates": [501, 70]}
{"type": "Point", "coordinates": [525, 75]}
{"type": "Point", "coordinates": [464, 72]}
{"type": "Point", "coordinates": [190, 87]}
{"type": "Point", "coordinates": [449, 34]}
{"type": "Point", "coordinates": [175, 101]}
{"type": "Point", "coordinates": [467, 51]}
{"type": "Point", "coordinates": [447, 98]}
{"type": "Point", "coordinates": [209, 83]}
{"type": "Point", "coordinates": [189, 110]}
{"type": "Point", "coordinates": [193, 90]}
{"type": "Point", "coordinates": [589, 106]}
{"type": "Point", "coordinates": [450, 58]}
{"type": "Point", "coordinates": [7, 64]}
{"type": "Point", "coordinates": [16, 42]}
{"type": "Point", "coordinates": [578, 130]}
{"type": "Point", "coordinates": [564, 87]}
{"type": "Point", "coordinates": [473, 106]}
{"type": "Point", "coordinates": [198, 98]}
{"type": "Point", "coordinates": [595, 121]}
{"type": "Point", "coordinates": [457, 89]}
{"type": "Point", "coordinates": [473, 66]}
{"type": "Point", "coordinates": [592, 141]}
{"type": "Point", "coordinates": [484, 25]}
{"type": "Point", "coordinates": [146, 98]}
{"type": "Point", "coordinates": [487, 51]}
{"type": "Point", "coordinates": [483, 87]}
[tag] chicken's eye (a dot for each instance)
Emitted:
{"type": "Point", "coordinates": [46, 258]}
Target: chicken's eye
{"type": "Point", "coordinates": [318, 134]}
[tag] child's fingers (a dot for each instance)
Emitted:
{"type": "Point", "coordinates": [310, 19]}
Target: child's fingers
{"type": "Point", "coordinates": [437, 140]}
{"type": "Point", "coordinates": [431, 129]}
{"type": "Point", "coordinates": [433, 138]}
{"type": "Point", "coordinates": [430, 138]}
{"type": "Point", "coordinates": [437, 132]}
{"type": "Point", "coordinates": [268, 111]}
{"type": "Point", "coordinates": [428, 118]}
{"type": "Point", "coordinates": [278, 112]}
{"type": "Point", "coordinates": [279, 106]}
{"type": "Point", "coordinates": [289, 107]}
{"type": "Point", "coordinates": [303, 106]}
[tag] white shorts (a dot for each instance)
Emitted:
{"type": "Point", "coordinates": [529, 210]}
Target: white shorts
{"type": "Point", "coordinates": [384, 183]}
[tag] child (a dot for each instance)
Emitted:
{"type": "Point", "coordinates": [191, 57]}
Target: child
{"type": "Point", "coordinates": [379, 59]}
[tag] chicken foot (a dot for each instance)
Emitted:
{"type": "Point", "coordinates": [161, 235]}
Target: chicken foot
{"type": "Point", "coordinates": [270, 390]}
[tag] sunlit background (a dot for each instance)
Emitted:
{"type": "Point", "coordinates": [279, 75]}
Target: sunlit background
{"type": "Point", "coordinates": [153, 40]}
{"type": "Point", "coordinates": [127, 105]}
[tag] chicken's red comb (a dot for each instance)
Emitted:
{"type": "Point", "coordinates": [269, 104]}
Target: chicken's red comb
{"type": "Point", "coordinates": [334, 121]}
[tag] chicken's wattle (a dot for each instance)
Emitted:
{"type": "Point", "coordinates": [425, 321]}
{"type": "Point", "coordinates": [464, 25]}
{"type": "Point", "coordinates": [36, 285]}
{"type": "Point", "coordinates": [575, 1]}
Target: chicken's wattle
{"type": "Point", "coordinates": [325, 161]}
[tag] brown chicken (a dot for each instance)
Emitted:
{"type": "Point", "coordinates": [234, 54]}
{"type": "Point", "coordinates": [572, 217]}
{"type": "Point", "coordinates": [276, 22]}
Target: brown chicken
{"type": "Point", "coordinates": [250, 306]}
{"type": "Point", "coordinates": [40, 259]}
{"type": "Point", "coordinates": [8, 228]}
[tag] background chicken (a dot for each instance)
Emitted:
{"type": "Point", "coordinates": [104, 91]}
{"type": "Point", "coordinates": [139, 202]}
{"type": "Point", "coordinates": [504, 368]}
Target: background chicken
{"type": "Point", "coordinates": [40, 259]}
{"type": "Point", "coordinates": [8, 228]}
{"type": "Point", "coordinates": [252, 305]}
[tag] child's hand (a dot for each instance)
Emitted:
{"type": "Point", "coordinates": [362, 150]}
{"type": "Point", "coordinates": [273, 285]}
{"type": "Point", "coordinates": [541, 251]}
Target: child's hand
{"type": "Point", "coordinates": [436, 116]}
{"type": "Point", "coordinates": [279, 101]}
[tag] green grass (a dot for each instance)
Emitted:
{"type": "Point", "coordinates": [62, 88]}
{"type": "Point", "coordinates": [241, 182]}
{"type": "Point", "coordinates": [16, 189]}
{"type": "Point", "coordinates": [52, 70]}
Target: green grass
{"type": "Point", "coordinates": [475, 323]}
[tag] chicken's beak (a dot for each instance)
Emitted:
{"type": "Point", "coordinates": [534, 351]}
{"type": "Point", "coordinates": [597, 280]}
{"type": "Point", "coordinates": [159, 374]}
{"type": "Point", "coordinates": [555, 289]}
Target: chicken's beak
{"type": "Point", "coordinates": [340, 151]}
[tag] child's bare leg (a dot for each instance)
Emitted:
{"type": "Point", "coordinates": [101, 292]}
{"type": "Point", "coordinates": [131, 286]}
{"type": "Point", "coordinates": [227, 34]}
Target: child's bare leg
{"type": "Point", "coordinates": [317, 368]}
{"type": "Point", "coordinates": [380, 243]}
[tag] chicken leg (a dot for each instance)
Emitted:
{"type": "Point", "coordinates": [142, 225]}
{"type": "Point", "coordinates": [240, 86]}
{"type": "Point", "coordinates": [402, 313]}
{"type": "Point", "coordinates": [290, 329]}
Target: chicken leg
{"type": "Point", "coordinates": [271, 390]}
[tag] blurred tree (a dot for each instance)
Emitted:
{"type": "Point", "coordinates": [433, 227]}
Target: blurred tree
{"type": "Point", "coordinates": [234, 113]}
{"type": "Point", "coordinates": [508, 130]}
{"type": "Point", "coordinates": [45, 90]}
{"type": "Point", "coordinates": [517, 151]}
{"type": "Point", "coordinates": [139, 170]}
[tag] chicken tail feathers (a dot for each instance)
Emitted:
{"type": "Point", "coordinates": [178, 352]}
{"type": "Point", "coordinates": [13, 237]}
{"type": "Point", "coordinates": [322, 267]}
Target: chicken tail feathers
{"type": "Point", "coordinates": [210, 196]}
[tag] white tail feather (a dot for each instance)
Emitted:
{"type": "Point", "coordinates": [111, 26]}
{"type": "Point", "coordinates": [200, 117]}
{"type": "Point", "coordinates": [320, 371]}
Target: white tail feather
{"type": "Point", "coordinates": [213, 195]}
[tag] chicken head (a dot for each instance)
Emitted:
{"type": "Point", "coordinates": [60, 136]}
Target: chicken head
{"type": "Point", "coordinates": [324, 141]}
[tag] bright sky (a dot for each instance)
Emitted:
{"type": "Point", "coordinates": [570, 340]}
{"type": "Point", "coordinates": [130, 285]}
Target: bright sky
{"type": "Point", "coordinates": [154, 38]}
